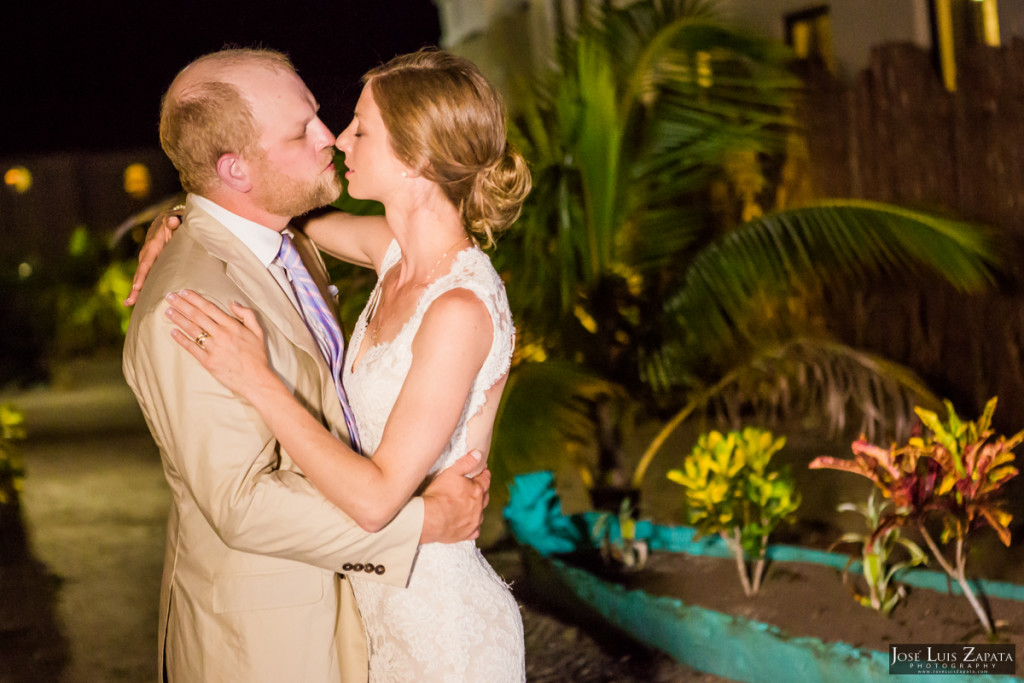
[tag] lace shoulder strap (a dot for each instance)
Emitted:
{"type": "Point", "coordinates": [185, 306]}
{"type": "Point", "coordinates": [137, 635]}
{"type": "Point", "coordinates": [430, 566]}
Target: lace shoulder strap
{"type": "Point", "coordinates": [472, 270]}
{"type": "Point", "coordinates": [391, 257]}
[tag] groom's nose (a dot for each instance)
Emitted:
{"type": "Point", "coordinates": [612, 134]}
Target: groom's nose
{"type": "Point", "coordinates": [324, 136]}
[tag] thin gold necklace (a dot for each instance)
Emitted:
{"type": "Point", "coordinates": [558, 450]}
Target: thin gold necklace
{"type": "Point", "coordinates": [422, 283]}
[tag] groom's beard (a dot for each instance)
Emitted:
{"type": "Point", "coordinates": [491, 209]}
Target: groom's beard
{"type": "Point", "coordinates": [283, 195]}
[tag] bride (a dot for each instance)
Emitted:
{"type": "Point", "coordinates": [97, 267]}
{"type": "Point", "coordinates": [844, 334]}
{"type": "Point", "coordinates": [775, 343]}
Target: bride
{"type": "Point", "coordinates": [428, 358]}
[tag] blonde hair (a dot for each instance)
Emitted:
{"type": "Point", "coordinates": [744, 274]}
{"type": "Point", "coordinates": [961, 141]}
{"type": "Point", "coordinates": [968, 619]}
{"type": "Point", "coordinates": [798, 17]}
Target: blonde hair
{"type": "Point", "coordinates": [444, 119]}
{"type": "Point", "coordinates": [204, 119]}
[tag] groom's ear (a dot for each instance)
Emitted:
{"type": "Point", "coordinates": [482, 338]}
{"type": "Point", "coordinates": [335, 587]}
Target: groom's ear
{"type": "Point", "coordinates": [234, 172]}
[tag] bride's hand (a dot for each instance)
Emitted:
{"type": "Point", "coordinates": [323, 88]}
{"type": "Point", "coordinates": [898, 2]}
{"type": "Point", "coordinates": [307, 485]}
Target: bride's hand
{"type": "Point", "coordinates": [157, 236]}
{"type": "Point", "coordinates": [231, 348]}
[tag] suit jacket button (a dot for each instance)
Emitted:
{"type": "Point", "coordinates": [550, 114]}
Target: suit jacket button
{"type": "Point", "coordinates": [370, 568]}
{"type": "Point", "coordinates": [346, 567]}
{"type": "Point", "coordinates": [379, 569]}
{"type": "Point", "coordinates": [357, 567]}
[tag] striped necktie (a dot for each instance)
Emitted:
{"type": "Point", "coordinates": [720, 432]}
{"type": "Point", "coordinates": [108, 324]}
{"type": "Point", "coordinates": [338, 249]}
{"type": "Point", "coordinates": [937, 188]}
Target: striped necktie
{"type": "Point", "coordinates": [322, 324]}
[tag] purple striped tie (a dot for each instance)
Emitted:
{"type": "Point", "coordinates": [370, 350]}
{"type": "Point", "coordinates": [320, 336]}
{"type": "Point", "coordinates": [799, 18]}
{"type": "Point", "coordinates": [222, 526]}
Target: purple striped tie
{"type": "Point", "coordinates": [322, 324]}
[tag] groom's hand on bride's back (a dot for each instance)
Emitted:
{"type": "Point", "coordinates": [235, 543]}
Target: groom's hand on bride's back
{"type": "Point", "coordinates": [454, 502]}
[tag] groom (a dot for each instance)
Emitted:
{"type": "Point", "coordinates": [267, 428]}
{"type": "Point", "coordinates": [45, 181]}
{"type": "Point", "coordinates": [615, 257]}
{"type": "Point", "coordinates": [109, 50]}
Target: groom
{"type": "Point", "coordinates": [251, 588]}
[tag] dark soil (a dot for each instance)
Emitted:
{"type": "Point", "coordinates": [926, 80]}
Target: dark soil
{"type": "Point", "coordinates": [806, 599]}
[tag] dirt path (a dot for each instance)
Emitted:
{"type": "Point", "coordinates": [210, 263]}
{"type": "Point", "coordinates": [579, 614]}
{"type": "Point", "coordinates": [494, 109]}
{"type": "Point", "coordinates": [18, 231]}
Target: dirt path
{"type": "Point", "coordinates": [80, 606]}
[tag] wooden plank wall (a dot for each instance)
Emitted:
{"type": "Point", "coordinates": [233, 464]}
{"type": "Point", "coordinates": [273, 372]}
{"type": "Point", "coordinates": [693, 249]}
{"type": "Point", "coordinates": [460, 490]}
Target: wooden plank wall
{"type": "Point", "coordinates": [895, 134]}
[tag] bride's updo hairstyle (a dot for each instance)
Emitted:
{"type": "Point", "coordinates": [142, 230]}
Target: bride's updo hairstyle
{"type": "Point", "coordinates": [444, 119]}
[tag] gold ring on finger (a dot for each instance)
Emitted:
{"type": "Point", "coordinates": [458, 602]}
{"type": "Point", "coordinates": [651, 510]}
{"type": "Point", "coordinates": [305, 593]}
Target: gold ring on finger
{"type": "Point", "coordinates": [201, 339]}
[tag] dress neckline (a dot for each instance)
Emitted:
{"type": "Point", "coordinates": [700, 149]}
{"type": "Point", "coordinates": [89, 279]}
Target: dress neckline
{"type": "Point", "coordinates": [364, 323]}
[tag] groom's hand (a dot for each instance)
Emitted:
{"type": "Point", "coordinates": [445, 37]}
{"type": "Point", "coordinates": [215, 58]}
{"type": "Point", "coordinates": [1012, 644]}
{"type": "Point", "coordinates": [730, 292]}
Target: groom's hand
{"type": "Point", "coordinates": [453, 504]}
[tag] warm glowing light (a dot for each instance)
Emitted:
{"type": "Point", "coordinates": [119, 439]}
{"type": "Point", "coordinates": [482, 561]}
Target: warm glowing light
{"type": "Point", "coordinates": [802, 40]}
{"type": "Point", "coordinates": [990, 22]}
{"type": "Point", "coordinates": [810, 35]}
{"type": "Point", "coordinates": [24, 270]}
{"type": "Point", "coordinates": [137, 181]}
{"type": "Point", "coordinates": [18, 179]}
{"type": "Point", "coordinates": [944, 28]}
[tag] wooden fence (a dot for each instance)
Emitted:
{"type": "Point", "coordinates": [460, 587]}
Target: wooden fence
{"type": "Point", "coordinates": [895, 134]}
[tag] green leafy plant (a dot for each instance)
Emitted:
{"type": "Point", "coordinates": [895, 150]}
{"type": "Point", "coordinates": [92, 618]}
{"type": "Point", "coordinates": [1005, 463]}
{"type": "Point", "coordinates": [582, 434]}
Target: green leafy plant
{"type": "Point", "coordinates": [876, 556]}
{"type": "Point", "coordinates": [952, 475]}
{"type": "Point", "coordinates": [12, 474]}
{"type": "Point", "coordinates": [624, 549]}
{"type": "Point", "coordinates": [730, 491]}
{"type": "Point", "coordinates": [628, 262]}
{"type": "Point", "coordinates": [88, 301]}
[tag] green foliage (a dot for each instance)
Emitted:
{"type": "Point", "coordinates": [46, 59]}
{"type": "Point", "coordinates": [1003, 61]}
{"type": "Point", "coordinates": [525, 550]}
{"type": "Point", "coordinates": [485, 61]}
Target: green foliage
{"type": "Point", "coordinates": [543, 419]}
{"type": "Point", "coordinates": [90, 313]}
{"type": "Point", "coordinates": [730, 297]}
{"type": "Point", "coordinates": [114, 286]}
{"type": "Point", "coordinates": [728, 485]}
{"type": "Point", "coordinates": [877, 556]}
{"type": "Point", "coordinates": [12, 474]}
{"type": "Point", "coordinates": [731, 491]}
{"type": "Point", "coordinates": [64, 305]}
{"type": "Point", "coordinates": [622, 136]}
{"type": "Point", "coordinates": [975, 464]}
{"type": "Point", "coordinates": [952, 474]}
{"type": "Point", "coordinates": [643, 254]}
{"type": "Point", "coordinates": [90, 316]}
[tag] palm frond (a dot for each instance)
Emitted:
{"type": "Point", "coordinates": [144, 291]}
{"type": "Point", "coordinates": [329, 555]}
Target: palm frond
{"type": "Point", "coordinates": [659, 237]}
{"type": "Point", "coordinates": [824, 378]}
{"type": "Point", "coordinates": [839, 244]}
{"type": "Point", "coordinates": [808, 378]}
{"type": "Point", "coordinates": [598, 147]}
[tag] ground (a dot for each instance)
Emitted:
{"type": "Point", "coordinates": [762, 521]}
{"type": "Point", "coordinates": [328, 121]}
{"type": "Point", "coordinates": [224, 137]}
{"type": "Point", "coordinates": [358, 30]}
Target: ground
{"type": "Point", "coordinates": [80, 562]}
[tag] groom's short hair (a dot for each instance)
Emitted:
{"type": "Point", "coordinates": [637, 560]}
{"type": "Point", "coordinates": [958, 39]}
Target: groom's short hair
{"type": "Point", "coordinates": [205, 114]}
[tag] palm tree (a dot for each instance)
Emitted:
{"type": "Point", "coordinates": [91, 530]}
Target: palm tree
{"type": "Point", "coordinates": [644, 273]}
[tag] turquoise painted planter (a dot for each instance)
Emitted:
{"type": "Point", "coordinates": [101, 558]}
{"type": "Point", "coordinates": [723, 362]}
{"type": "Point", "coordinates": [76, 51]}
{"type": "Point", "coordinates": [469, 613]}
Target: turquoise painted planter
{"type": "Point", "coordinates": [722, 644]}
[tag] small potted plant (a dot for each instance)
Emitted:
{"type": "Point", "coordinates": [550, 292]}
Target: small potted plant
{"type": "Point", "coordinates": [732, 492]}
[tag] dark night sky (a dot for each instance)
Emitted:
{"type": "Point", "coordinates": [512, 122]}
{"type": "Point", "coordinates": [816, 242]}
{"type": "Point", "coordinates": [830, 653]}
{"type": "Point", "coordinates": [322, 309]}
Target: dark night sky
{"type": "Point", "coordinates": [81, 75]}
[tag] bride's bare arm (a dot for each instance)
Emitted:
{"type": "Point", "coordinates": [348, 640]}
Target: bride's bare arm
{"type": "Point", "coordinates": [361, 240]}
{"type": "Point", "coordinates": [158, 235]}
{"type": "Point", "coordinates": [450, 347]}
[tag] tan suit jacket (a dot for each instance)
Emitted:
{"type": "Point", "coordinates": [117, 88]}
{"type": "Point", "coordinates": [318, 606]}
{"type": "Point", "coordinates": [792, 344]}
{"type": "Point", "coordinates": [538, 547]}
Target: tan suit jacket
{"type": "Point", "coordinates": [250, 588]}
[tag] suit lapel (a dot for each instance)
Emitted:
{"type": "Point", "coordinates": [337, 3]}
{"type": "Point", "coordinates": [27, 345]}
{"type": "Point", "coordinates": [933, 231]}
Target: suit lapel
{"type": "Point", "coordinates": [259, 285]}
{"type": "Point", "coordinates": [252, 277]}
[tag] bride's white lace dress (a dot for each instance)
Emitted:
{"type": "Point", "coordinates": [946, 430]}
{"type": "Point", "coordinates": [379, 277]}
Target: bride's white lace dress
{"type": "Point", "coordinates": [456, 620]}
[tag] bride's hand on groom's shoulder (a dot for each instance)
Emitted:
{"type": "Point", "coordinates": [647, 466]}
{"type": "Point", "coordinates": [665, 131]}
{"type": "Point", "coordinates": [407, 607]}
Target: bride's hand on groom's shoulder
{"type": "Point", "coordinates": [157, 236]}
{"type": "Point", "coordinates": [454, 502]}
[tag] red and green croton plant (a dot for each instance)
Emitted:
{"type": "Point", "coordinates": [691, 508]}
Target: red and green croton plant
{"type": "Point", "coordinates": [951, 475]}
